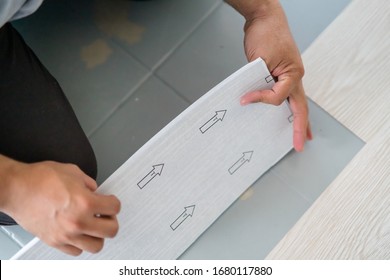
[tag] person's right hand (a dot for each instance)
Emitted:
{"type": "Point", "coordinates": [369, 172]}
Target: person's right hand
{"type": "Point", "coordinates": [57, 203]}
{"type": "Point", "coordinates": [267, 35]}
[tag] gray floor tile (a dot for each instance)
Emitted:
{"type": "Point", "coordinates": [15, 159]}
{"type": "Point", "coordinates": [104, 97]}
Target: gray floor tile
{"type": "Point", "coordinates": [94, 73]}
{"type": "Point", "coordinates": [333, 146]}
{"type": "Point", "coordinates": [308, 18]}
{"type": "Point", "coordinates": [147, 29]}
{"type": "Point", "coordinates": [147, 111]}
{"type": "Point", "coordinates": [17, 234]}
{"type": "Point", "coordinates": [253, 225]}
{"type": "Point", "coordinates": [212, 53]}
{"type": "Point", "coordinates": [7, 247]}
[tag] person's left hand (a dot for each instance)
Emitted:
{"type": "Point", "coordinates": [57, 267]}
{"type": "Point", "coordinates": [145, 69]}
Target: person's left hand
{"type": "Point", "coordinates": [269, 37]}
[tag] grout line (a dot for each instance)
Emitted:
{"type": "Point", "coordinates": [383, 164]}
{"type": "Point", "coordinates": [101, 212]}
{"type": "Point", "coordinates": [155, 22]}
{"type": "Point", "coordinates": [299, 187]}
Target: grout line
{"type": "Point", "coordinates": [186, 36]}
{"type": "Point", "coordinates": [166, 56]}
{"type": "Point", "coordinates": [152, 71]}
{"type": "Point", "coordinates": [180, 42]}
{"type": "Point", "coordinates": [120, 104]}
{"type": "Point", "coordinates": [179, 94]}
{"type": "Point", "coordinates": [310, 201]}
{"type": "Point", "coordinates": [178, 45]}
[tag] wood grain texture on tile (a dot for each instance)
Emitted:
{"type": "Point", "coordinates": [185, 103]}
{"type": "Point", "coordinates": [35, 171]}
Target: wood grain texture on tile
{"type": "Point", "coordinates": [347, 74]}
{"type": "Point", "coordinates": [347, 68]}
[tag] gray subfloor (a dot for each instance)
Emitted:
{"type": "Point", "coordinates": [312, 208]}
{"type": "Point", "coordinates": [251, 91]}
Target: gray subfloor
{"type": "Point", "coordinates": [128, 68]}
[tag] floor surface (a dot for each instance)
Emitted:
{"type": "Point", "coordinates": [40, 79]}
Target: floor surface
{"type": "Point", "coordinates": [130, 67]}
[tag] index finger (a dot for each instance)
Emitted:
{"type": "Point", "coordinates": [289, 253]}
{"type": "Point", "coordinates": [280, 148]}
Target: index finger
{"type": "Point", "coordinates": [105, 205]}
{"type": "Point", "coordinates": [301, 127]}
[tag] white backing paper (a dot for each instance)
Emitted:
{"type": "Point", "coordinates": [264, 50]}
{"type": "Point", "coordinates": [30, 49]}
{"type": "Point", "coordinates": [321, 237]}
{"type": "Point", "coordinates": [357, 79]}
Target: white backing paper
{"type": "Point", "coordinates": [188, 174]}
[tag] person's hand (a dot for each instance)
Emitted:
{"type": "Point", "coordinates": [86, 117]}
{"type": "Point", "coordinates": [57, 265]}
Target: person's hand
{"type": "Point", "coordinates": [267, 35]}
{"type": "Point", "coordinates": [57, 203]}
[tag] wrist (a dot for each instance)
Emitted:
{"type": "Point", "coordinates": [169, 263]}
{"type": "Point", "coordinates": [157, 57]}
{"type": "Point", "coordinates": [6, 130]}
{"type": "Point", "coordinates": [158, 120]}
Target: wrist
{"type": "Point", "coordinates": [8, 169]}
{"type": "Point", "coordinates": [255, 9]}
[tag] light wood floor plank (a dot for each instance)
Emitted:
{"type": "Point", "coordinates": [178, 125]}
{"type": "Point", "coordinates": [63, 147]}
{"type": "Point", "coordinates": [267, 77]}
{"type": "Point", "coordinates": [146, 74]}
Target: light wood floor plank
{"type": "Point", "coordinates": [348, 74]}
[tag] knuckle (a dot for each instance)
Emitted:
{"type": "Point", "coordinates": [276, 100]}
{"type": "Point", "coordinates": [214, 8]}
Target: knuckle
{"type": "Point", "coordinates": [114, 231]}
{"type": "Point", "coordinates": [75, 226]}
{"type": "Point", "coordinates": [97, 247]}
{"type": "Point", "coordinates": [73, 167]}
{"type": "Point", "coordinates": [53, 241]}
{"type": "Point", "coordinates": [60, 240]}
{"type": "Point", "coordinates": [260, 99]}
{"type": "Point", "coordinates": [70, 250]}
{"type": "Point", "coordinates": [116, 205]}
{"type": "Point", "coordinates": [251, 53]}
{"type": "Point", "coordinates": [75, 253]}
{"type": "Point", "coordinates": [303, 113]}
{"type": "Point", "coordinates": [279, 101]}
{"type": "Point", "coordinates": [300, 71]}
{"type": "Point", "coordinates": [85, 204]}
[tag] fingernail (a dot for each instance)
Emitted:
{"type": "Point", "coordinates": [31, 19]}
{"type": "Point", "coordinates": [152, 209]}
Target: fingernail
{"type": "Point", "coordinates": [299, 148]}
{"type": "Point", "coordinates": [299, 142]}
{"type": "Point", "coordinates": [243, 102]}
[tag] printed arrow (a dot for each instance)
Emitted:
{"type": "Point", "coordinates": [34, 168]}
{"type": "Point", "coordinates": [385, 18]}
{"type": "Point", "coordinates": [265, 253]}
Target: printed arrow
{"type": "Point", "coordinates": [219, 115]}
{"type": "Point", "coordinates": [290, 118]}
{"type": "Point", "coordinates": [188, 212]}
{"type": "Point", "coordinates": [246, 157]}
{"type": "Point", "coordinates": [157, 170]}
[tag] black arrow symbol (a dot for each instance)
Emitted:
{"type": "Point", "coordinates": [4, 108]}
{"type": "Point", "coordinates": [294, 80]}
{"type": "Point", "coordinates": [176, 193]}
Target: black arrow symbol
{"type": "Point", "coordinates": [219, 115]}
{"type": "Point", "coordinates": [290, 118]}
{"type": "Point", "coordinates": [157, 170]}
{"type": "Point", "coordinates": [188, 212]}
{"type": "Point", "coordinates": [246, 157]}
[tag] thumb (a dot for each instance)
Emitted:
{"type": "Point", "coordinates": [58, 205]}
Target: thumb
{"type": "Point", "coordinates": [275, 96]}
